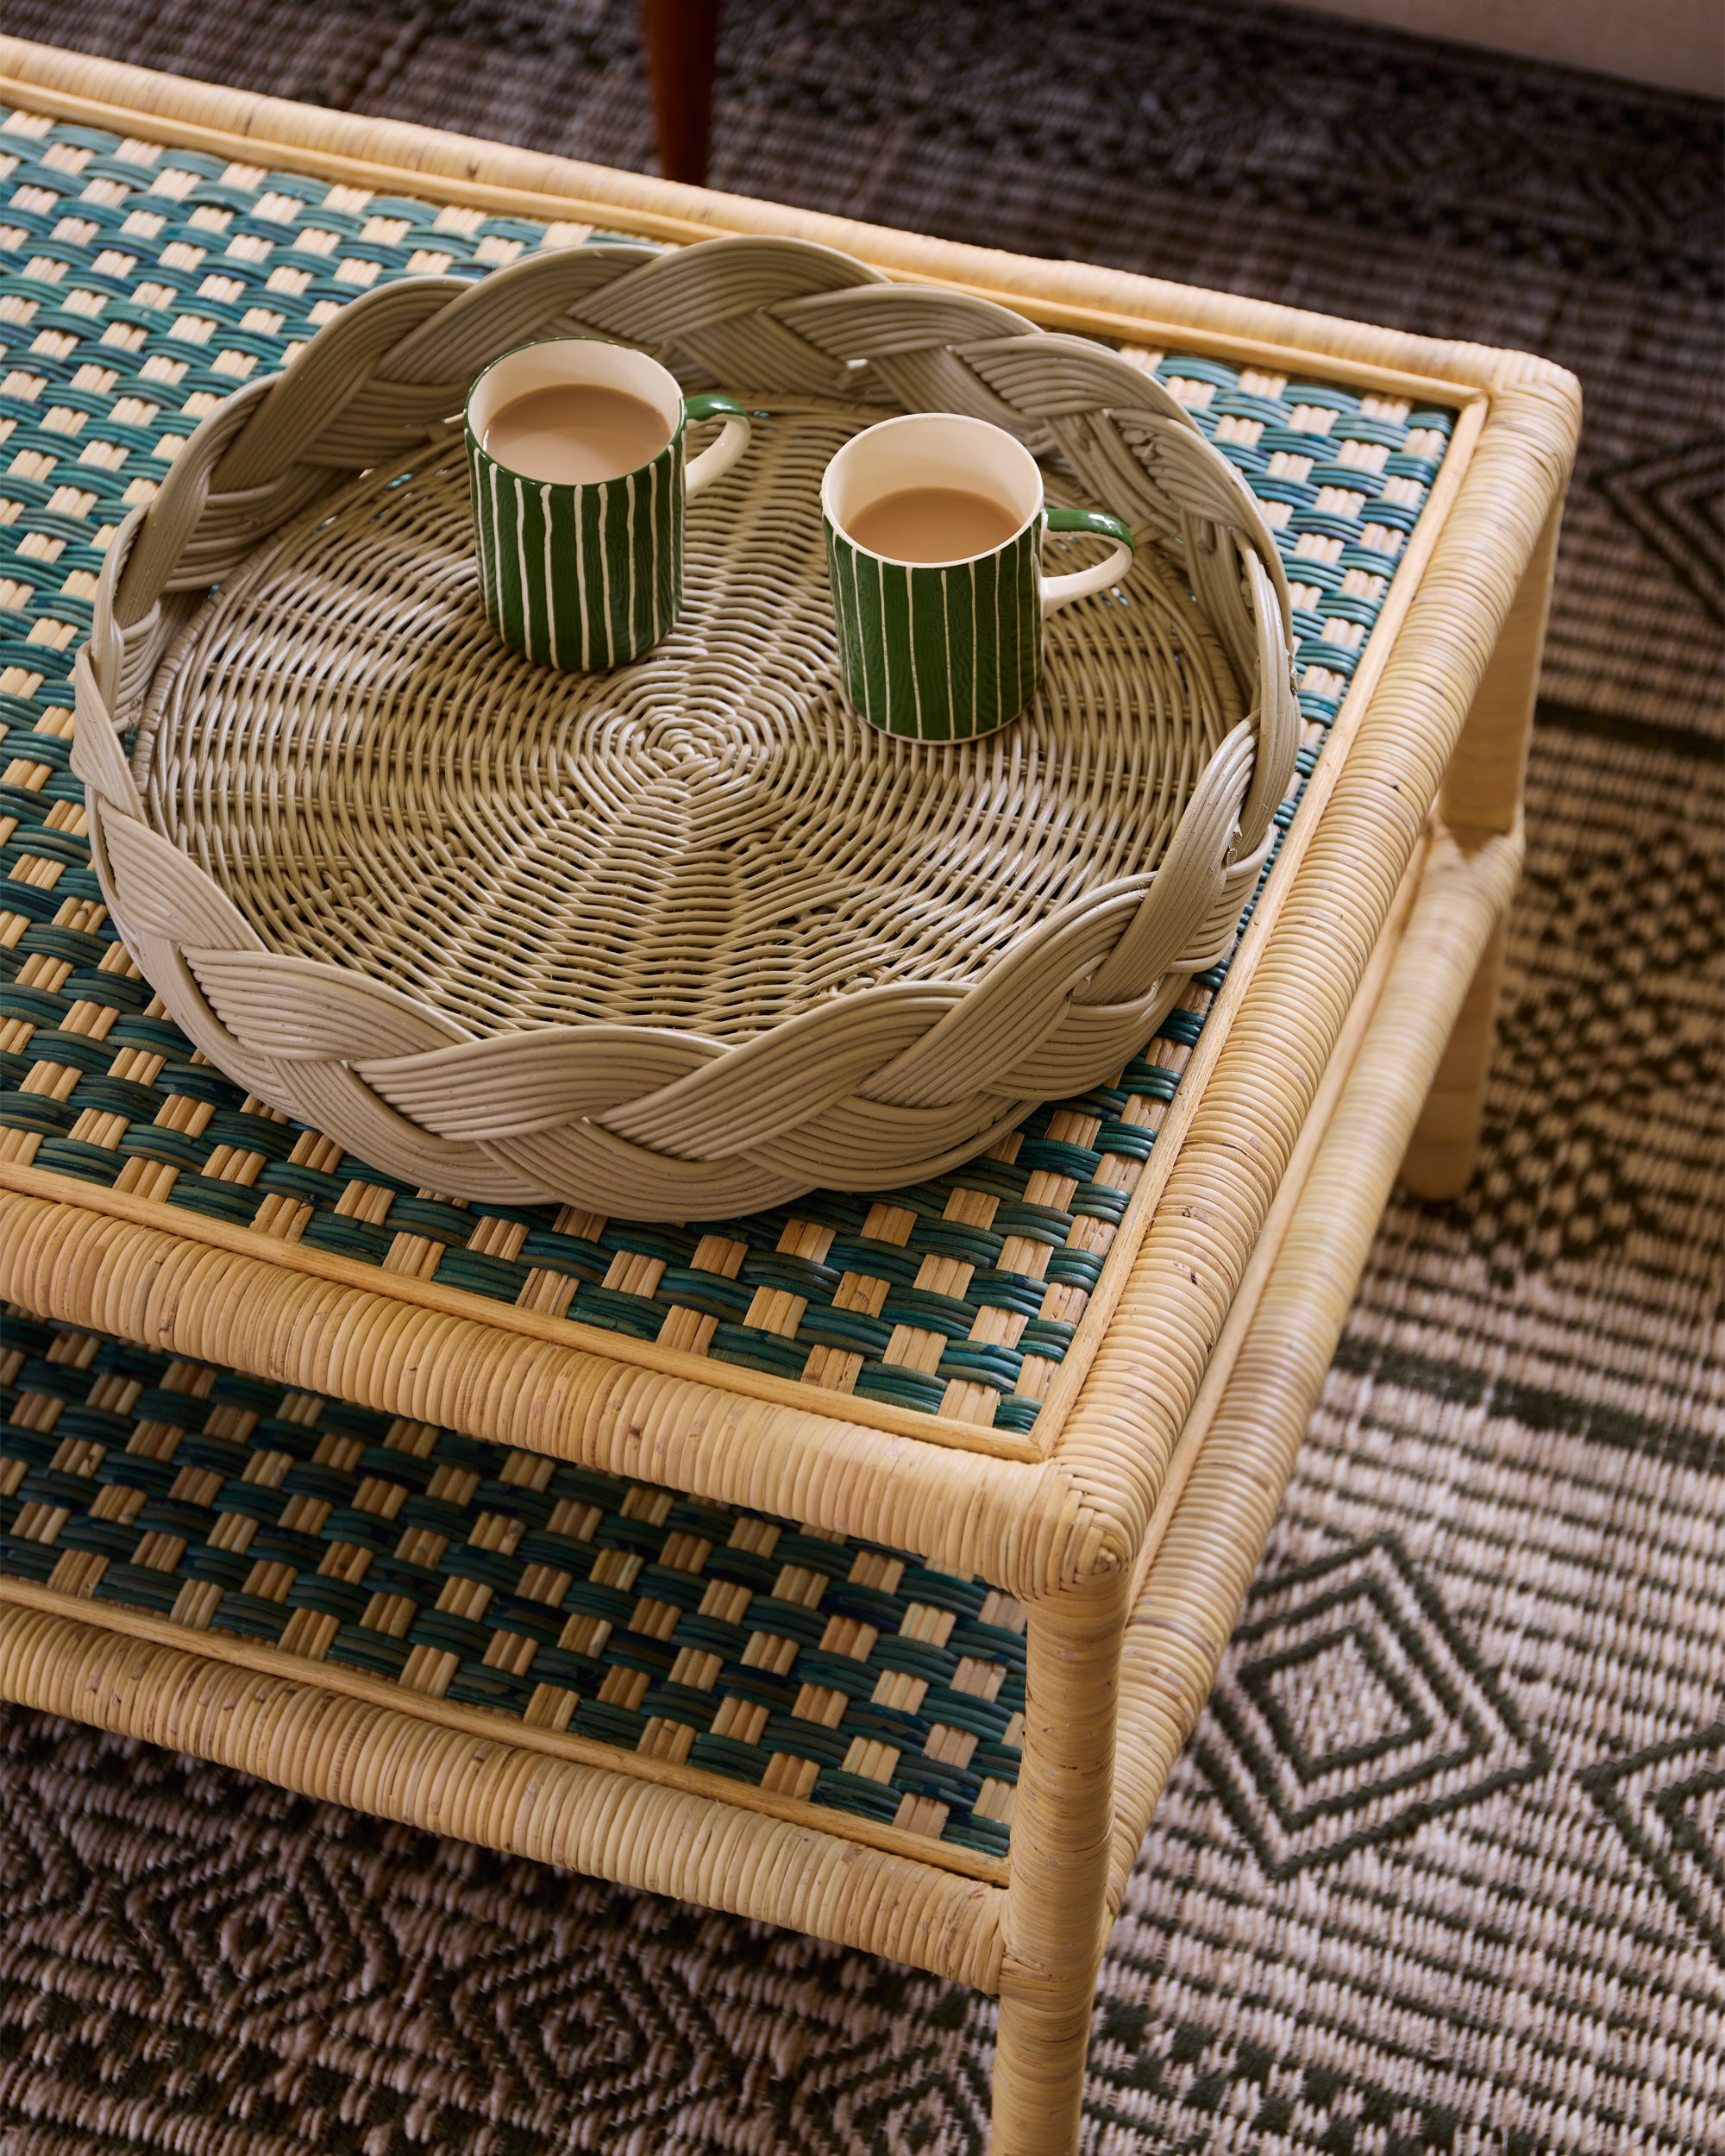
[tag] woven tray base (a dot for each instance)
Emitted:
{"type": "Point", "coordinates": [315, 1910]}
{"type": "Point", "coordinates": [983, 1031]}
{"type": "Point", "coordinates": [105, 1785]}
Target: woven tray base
{"type": "Point", "coordinates": [708, 839]}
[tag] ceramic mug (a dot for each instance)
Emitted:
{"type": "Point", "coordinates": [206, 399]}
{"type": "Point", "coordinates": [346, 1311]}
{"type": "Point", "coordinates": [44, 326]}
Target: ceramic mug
{"type": "Point", "coordinates": [946, 650]}
{"type": "Point", "coordinates": [585, 576]}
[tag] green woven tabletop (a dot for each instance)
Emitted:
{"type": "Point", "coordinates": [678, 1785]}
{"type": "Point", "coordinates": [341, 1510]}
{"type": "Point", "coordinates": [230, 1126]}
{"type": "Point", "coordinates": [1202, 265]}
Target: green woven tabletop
{"type": "Point", "coordinates": [143, 284]}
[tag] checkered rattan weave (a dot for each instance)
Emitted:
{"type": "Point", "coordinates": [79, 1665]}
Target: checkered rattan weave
{"type": "Point", "coordinates": [813, 1666]}
{"type": "Point", "coordinates": [143, 286]}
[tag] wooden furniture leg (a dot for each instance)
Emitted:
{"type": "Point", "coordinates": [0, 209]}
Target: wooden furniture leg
{"type": "Point", "coordinates": [681, 37]}
{"type": "Point", "coordinates": [1480, 800]}
{"type": "Point", "coordinates": [1056, 1913]}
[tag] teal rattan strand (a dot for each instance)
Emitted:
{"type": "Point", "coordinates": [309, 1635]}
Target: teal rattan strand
{"type": "Point", "coordinates": [140, 287]}
{"type": "Point", "coordinates": [820, 1667]}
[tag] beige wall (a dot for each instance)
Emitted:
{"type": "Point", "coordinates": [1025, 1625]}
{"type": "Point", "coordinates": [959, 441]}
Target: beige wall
{"type": "Point", "coordinates": [1678, 44]}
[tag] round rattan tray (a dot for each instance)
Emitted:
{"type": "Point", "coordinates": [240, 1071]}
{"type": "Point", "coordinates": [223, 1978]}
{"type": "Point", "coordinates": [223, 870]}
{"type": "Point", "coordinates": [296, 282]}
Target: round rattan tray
{"type": "Point", "coordinates": [686, 938]}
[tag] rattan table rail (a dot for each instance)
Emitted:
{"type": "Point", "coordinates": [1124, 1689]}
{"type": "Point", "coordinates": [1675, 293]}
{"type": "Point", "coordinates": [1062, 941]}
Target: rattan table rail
{"type": "Point", "coordinates": [1026, 1425]}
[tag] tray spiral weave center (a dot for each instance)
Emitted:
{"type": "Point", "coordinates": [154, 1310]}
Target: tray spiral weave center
{"type": "Point", "coordinates": [708, 839]}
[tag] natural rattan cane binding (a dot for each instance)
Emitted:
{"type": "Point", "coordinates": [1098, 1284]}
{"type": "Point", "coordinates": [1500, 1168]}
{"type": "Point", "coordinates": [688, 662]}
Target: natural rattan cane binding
{"type": "Point", "coordinates": [686, 938]}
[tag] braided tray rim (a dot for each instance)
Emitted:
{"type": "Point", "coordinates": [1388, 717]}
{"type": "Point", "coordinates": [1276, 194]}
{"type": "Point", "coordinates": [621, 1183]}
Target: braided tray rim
{"type": "Point", "coordinates": [833, 1095]}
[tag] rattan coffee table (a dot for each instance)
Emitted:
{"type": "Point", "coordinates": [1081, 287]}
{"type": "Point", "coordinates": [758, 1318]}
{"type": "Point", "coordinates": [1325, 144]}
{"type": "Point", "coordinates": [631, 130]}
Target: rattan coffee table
{"type": "Point", "coordinates": [860, 1565]}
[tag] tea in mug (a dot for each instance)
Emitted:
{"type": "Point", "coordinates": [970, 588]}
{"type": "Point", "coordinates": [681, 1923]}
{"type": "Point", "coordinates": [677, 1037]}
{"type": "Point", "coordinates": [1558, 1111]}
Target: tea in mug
{"type": "Point", "coordinates": [575, 433]}
{"type": "Point", "coordinates": [934, 523]}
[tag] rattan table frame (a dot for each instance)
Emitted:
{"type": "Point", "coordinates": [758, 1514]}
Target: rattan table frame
{"type": "Point", "coordinates": [1351, 1043]}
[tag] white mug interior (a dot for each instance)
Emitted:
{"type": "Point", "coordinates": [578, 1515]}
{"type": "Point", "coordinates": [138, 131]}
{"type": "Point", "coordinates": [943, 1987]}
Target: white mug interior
{"type": "Point", "coordinates": [573, 360]}
{"type": "Point", "coordinates": [931, 449]}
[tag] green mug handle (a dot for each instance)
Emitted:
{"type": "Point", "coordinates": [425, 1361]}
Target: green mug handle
{"type": "Point", "coordinates": [713, 463]}
{"type": "Point", "coordinates": [1061, 591]}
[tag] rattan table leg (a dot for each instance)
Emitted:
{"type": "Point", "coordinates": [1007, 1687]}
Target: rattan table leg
{"type": "Point", "coordinates": [1055, 1923]}
{"type": "Point", "coordinates": [1182, 1620]}
{"type": "Point", "coordinates": [1446, 1144]}
{"type": "Point", "coordinates": [1481, 799]}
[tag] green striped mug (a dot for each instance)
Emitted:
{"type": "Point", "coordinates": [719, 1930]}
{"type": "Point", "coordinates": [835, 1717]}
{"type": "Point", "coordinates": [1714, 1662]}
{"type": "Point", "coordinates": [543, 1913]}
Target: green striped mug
{"type": "Point", "coordinates": [945, 650]}
{"type": "Point", "coordinates": [584, 576]}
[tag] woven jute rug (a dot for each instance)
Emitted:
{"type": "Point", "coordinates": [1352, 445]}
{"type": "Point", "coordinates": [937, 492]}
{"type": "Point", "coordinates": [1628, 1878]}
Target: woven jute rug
{"type": "Point", "coordinates": [1360, 1925]}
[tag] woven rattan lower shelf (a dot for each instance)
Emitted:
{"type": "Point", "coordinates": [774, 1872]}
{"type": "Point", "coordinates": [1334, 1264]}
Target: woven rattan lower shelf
{"type": "Point", "coordinates": [1069, 1381]}
{"type": "Point", "coordinates": [811, 1669]}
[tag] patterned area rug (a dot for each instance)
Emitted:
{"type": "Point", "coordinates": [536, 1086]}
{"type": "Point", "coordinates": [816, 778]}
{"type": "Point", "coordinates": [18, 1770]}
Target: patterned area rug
{"type": "Point", "coordinates": [1443, 1869]}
